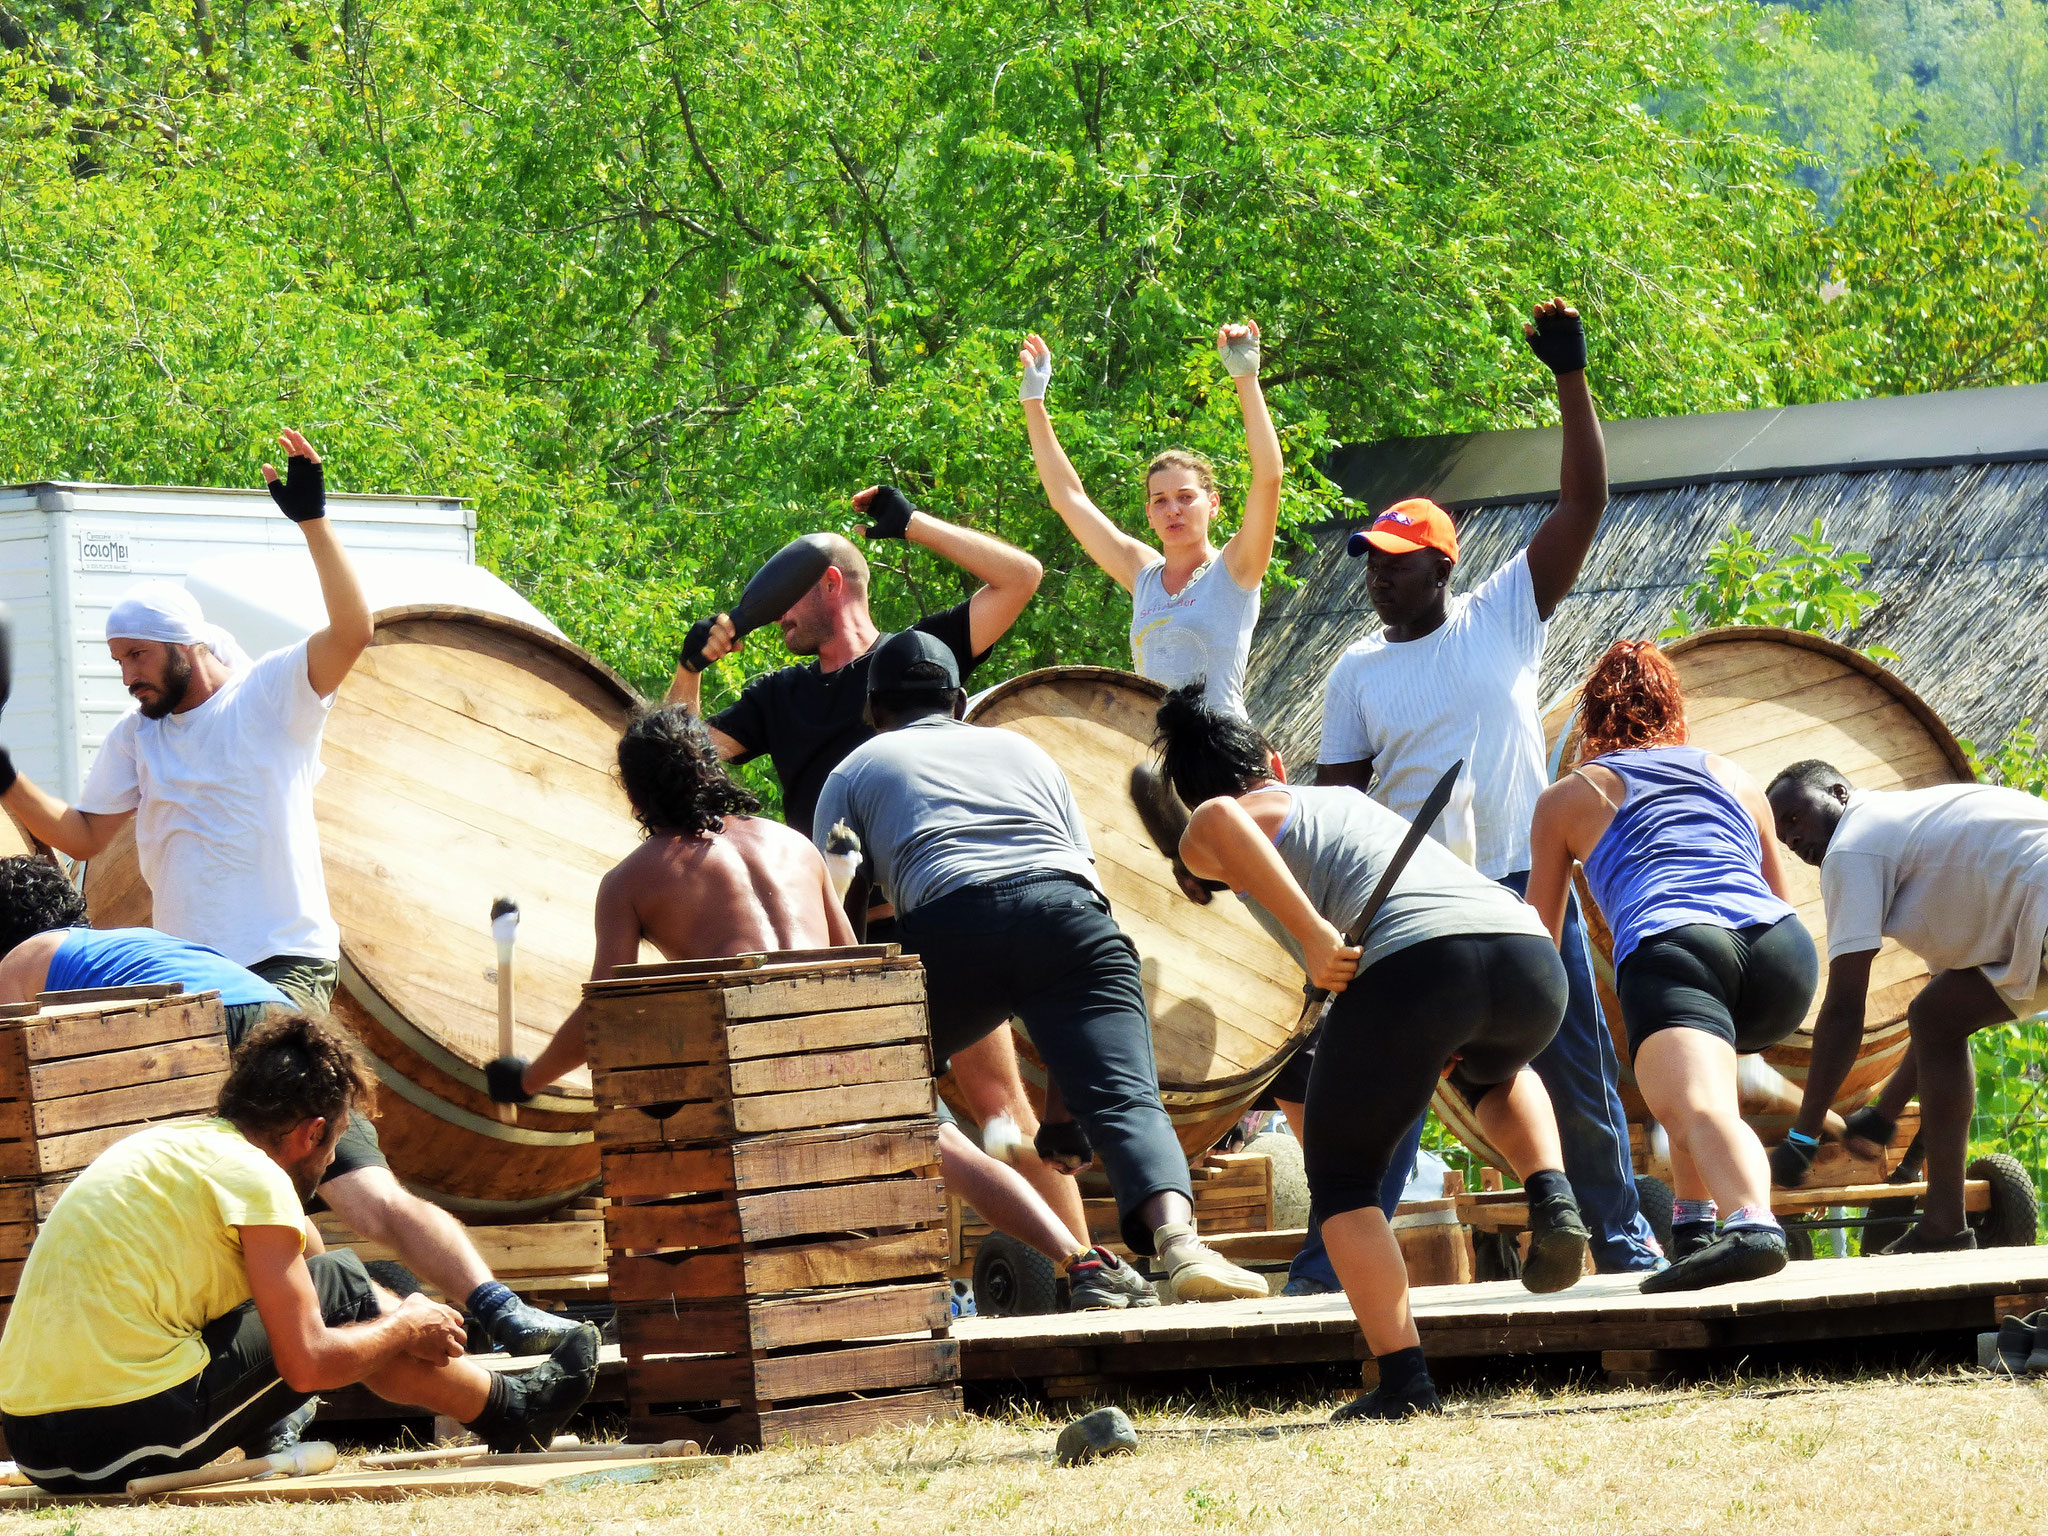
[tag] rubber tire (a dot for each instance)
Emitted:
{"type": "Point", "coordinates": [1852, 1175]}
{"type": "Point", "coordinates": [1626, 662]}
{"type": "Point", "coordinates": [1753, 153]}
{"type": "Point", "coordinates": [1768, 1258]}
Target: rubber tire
{"type": "Point", "coordinates": [1653, 1199]}
{"type": "Point", "coordinates": [1885, 1221]}
{"type": "Point", "coordinates": [2014, 1219]}
{"type": "Point", "coordinates": [1290, 1177]}
{"type": "Point", "coordinates": [1799, 1242]}
{"type": "Point", "coordinates": [1012, 1279]}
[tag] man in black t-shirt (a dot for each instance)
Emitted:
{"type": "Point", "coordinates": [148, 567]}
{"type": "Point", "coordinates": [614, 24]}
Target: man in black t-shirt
{"type": "Point", "coordinates": [808, 717]}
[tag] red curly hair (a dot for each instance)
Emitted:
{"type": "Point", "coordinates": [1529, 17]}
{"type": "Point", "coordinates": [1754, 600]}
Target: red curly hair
{"type": "Point", "coordinates": [1631, 698]}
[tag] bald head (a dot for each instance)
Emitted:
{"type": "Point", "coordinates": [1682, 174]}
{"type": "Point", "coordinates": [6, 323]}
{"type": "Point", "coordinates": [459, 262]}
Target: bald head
{"type": "Point", "coordinates": [851, 565]}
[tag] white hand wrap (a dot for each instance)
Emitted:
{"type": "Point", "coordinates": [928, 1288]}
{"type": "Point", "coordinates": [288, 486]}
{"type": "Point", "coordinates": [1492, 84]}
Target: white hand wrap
{"type": "Point", "coordinates": [1240, 357]}
{"type": "Point", "coordinates": [1036, 376]}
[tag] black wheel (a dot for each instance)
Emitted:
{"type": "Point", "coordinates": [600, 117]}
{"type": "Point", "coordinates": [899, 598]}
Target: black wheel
{"type": "Point", "coordinates": [1799, 1242]}
{"type": "Point", "coordinates": [1012, 1280]}
{"type": "Point", "coordinates": [2014, 1218]}
{"type": "Point", "coordinates": [1885, 1222]}
{"type": "Point", "coordinates": [1495, 1256]}
{"type": "Point", "coordinates": [1653, 1199]}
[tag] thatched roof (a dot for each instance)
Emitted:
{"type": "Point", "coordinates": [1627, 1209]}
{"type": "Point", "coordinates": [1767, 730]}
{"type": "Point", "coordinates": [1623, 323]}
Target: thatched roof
{"type": "Point", "coordinates": [1947, 493]}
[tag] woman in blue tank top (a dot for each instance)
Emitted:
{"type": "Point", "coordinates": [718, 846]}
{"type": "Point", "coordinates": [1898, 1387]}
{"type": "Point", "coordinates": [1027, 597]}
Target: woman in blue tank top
{"type": "Point", "coordinates": [1710, 959]}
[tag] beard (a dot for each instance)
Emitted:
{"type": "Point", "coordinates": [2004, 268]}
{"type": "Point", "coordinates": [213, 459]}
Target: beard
{"type": "Point", "coordinates": [170, 693]}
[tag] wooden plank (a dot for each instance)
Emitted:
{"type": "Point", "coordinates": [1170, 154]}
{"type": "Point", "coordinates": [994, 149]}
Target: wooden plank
{"type": "Point", "coordinates": [889, 984]}
{"type": "Point", "coordinates": [854, 1261]}
{"type": "Point", "coordinates": [739, 1325]}
{"type": "Point", "coordinates": [10, 1275]}
{"type": "Point", "coordinates": [13, 1065]}
{"type": "Point", "coordinates": [840, 1208]}
{"type": "Point", "coordinates": [47, 1193]}
{"type": "Point", "coordinates": [712, 1223]}
{"type": "Point", "coordinates": [690, 1275]}
{"type": "Point", "coordinates": [653, 1384]}
{"type": "Point", "coordinates": [91, 1031]}
{"type": "Point", "coordinates": [15, 1238]}
{"type": "Point", "coordinates": [124, 1106]}
{"type": "Point", "coordinates": [657, 1030]}
{"type": "Point", "coordinates": [708, 1121]}
{"type": "Point", "coordinates": [124, 1069]}
{"type": "Point", "coordinates": [754, 961]}
{"type": "Point", "coordinates": [509, 1250]}
{"type": "Point", "coordinates": [829, 1069]}
{"type": "Point", "coordinates": [834, 1106]}
{"type": "Point", "coordinates": [717, 1327]}
{"type": "Point", "coordinates": [18, 1204]}
{"type": "Point", "coordinates": [629, 1175]}
{"type": "Point", "coordinates": [69, 1154]}
{"type": "Point", "coordinates": [833, 1156]}
{"type": "Point", "coordinates": [17, 1120]}
{"type": "Point", "coordinates": [844, 1029]}
{"type": "Point", "coordinates": [143, 991]}
{"type": "Point", "coordinates": [634, 1086]}
{"type": "Point", "coordinates": [810, 1424]}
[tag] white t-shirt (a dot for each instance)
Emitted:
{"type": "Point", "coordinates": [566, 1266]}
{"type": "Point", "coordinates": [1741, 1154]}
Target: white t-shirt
{"type": "Point", "coordinates": [1958, 873]}
{"type": "Point", "coordinates": [1204, 630]}
{"type": "Point", "coordinates": [223, 802]}
{"type": "Point", "coordinates": [1465, 690]}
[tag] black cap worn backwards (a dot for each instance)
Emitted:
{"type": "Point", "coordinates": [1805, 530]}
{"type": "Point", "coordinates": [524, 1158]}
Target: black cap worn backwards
{"type": "Point", "coordinates": [913, 662]}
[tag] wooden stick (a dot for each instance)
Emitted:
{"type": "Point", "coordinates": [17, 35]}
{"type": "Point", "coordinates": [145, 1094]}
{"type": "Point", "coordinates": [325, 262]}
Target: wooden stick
{"type": "Point", "coordinates": [504, 929]}
{"type": "Point", "coordinates": [308, 1458]}
{"type": "Point", "coordinates": [477, 1456]}
{"type": "Point", "coordinates": [384, 1461]}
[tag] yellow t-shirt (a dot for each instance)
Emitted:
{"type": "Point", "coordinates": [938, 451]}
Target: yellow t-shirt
{"type": "Point", "coordinates": [138, 1256]}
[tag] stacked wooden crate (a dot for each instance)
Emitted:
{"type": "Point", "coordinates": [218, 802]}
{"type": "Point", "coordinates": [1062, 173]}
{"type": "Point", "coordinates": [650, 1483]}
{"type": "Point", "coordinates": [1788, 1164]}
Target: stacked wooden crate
{"type": "Point", "coordinates": [78, 1072]}
{"type": "Point", "coordinates": [776, 1223]}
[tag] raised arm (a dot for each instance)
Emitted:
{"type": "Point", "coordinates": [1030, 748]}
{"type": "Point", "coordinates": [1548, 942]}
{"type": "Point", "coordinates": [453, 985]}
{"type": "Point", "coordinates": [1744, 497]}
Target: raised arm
{"type": "Point", "coordinates": [1250, 549]}
{"type": "Point", "coordinates": [1560, 546]}
{"type": "Point", "coordinates": [687, 688]}
{"type": "Point", "coordinates": [1222, 842]}
{"type": "Point", "coordinates": [1009, 575]}
{"type": "Point", "coordinates": [1119, 555]}
{"type": "Point", "coordinates": [302, 497]}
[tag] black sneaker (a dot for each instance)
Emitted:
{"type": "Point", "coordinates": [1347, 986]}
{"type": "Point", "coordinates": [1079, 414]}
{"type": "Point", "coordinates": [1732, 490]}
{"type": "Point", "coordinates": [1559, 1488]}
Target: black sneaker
{"type": "Point", "coordinates": [537, 1403]}
{"type": "Point", "coordinates": [1104, 1283]}
{"type": "Point", "coordinates": [1419, 1396]}
{"type": "Point", "coordinates": [524, 1330]}
{"type": "Point", "coordinates": [1919, 1240]}
{"type": "Point", "coordinates": [1744, 1253]}
{"type": "Point", "coordinates": [1689, 1237]}
{"type": "Point", "coordinates": [285, 1433]}
{"type": "Point", "coordinates": [1557, 1244]}
{"type": "Point", "coordinates": [2016, 1344]}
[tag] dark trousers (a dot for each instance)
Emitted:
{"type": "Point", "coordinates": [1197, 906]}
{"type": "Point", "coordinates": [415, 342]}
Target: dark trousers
{"type": "Point", "coordinates": [1043, 949]}
{"type": "Point", "coordinates": [233, 1401]}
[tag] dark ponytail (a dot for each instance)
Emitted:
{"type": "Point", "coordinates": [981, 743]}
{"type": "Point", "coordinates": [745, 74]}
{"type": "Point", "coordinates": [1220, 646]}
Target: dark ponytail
{"type": "Point", "coordinates": [1207, 753]}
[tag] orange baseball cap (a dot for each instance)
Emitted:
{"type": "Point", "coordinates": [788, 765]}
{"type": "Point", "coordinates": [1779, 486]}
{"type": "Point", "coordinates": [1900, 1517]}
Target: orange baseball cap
{"type": "Point", "coordinates": [1410, 525]}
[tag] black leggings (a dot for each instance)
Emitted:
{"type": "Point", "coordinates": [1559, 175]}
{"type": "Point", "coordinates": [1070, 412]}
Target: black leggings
{"type": "Point", "coordinates": [1747, 986]}
{"type": "Point", "coordinates": [1494, 999]}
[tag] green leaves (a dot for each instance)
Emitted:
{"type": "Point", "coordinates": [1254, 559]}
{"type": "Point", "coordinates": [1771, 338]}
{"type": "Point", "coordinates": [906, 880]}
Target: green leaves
{"type": "Point", "coordinates": [1815, 589]}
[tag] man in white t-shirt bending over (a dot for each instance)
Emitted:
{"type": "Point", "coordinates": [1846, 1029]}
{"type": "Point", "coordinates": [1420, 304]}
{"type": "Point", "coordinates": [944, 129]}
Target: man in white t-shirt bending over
{"type": "Point", "coordinates": [217, 765]}
{"type": "Point", "coordinates": [1445, 678]}
{"type": "Point", "coordinates": [1957, 873]}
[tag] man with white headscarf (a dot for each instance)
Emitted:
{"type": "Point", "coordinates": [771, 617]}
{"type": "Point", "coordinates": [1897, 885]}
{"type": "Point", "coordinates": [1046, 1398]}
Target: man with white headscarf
{"type": "Point", "coordinates": [217, 765]}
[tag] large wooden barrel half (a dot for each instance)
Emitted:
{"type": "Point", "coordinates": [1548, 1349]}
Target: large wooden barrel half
{"type": "Point", "coordinates": [1767, 698]}
{"type": "Point", "coordinates": [1225, 999]}
{"type": "Point", "coordinates": [468, 756]}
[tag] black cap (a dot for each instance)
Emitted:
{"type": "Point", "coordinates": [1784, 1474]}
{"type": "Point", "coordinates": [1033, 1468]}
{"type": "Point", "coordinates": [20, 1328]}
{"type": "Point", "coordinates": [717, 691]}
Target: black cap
{"type": "Point", "coordinates": [913, 662]}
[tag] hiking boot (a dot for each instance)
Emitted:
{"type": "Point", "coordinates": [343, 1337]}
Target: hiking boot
{"type": "Point", "coordinates": [1739, 1253]}
{"type": "Point", "coordinates": [1689, 1237]}
{"type": "Point", "coordinates": [526, 1410]}
{"type": "Point", "coordinates": [1104, 1283]}
{"type": "Point", "coordinates": [1198, 1272]}
{"type": "Point", "coordinates": [1919, 1240]}
{"type": "Point", "coordinates": [1419, 1396]}
{"type": "Point", "coordinates": [2016, 1344]}
{"type": "Point", "coordinates": [524, 1330]}
{"type": "Point", "coordinates": [1557, 1243]}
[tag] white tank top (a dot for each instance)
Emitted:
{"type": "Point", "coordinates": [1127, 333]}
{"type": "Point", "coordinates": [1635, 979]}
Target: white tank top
{"type": "Point", "coordinates": [1205, 631]}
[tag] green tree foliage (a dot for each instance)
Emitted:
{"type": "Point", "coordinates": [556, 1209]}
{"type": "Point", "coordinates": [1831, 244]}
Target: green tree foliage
{"type": "Point", "coordinates": [1817, 588]}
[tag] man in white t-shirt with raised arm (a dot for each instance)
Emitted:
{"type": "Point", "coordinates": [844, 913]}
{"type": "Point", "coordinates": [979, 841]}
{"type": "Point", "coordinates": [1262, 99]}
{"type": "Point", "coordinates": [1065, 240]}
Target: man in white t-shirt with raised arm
{"type": "Point", "coordinates": [1445, 678]}
{"type": "Point", "coordinates": [1958, 874]}
{"type": "Point", "coordinates": [217, 765]}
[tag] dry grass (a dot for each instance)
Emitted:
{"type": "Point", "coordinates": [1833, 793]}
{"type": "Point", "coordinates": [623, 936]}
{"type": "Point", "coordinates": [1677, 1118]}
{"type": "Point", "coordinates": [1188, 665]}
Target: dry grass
{"type": "Point", "coordinates": [1873, 1458]}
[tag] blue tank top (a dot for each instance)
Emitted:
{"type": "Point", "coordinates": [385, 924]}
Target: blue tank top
{"type": "Point", "coordinates": [130, 957]}
{"type": "Point", "coordinates": [1681, 849]}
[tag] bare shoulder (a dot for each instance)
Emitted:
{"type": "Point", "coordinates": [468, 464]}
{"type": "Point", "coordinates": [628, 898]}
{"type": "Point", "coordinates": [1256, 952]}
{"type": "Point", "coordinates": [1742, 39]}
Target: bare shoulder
{"type": "Point", "coordinates": [1740, 782]}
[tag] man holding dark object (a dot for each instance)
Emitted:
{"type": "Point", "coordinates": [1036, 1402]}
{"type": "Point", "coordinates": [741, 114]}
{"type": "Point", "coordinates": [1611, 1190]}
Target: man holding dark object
{"type": "Point", "coordinates": [807, 717]}
{"type": "Point", "coordinates": [1444, 678]}
{"type": "Point", "coordinates": [1957, 873]}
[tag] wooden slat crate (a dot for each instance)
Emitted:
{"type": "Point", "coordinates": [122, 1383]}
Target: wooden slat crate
{"type": "Point", "coordinates": [80, 1071]}
{"type": "Point", "coordinates": [775, 1225]}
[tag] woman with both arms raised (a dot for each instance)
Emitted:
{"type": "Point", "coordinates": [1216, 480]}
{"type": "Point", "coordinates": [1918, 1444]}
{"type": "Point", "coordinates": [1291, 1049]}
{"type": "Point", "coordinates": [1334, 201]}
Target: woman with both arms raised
{"type": "Point", "coordinates": [1455, 978]}
{"type": "Point", "coordinates": [1710, 960]}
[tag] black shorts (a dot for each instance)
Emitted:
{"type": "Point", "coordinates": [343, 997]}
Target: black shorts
{"type": "Point", "coordinates": [233, 1401]}
{"type": "Point", "coordinates": [1748, 986]}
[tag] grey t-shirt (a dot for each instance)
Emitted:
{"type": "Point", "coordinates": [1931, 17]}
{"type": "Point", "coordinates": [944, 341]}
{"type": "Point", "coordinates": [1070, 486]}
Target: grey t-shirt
{"type": "Point", "coordinates": [939, 804]}
{"type": "Point", "coordinates": [1336, 842]}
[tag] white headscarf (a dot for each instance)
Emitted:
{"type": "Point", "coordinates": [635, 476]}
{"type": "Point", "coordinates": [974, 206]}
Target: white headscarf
{"type": "Point", "coordinates": [165, 612]}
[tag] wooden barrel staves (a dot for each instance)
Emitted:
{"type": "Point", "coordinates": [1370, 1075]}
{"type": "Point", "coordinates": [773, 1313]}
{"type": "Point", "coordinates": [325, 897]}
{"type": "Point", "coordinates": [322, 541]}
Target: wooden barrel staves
{"type": "Point", "coordinates": [1767, 698]}
{"type": "Point", "coordinates": [1225, 999]}
{"type": "Point", "coordinates": [468, 756]}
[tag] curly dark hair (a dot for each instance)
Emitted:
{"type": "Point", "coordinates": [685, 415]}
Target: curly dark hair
{"type": "Point", "coordinates": [672, 774]}
{"type": "Point", "coordinates": [34, 898]}
{"type": "Point", "coordinates": [1208, 754]}
{"type": "Point", "coordinates": [290, 1070]}
{"type": "Point", "coordinates": [1631, 698]}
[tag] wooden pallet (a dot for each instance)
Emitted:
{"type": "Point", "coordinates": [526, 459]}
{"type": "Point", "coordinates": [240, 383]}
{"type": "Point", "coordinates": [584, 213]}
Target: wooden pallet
{"type": "Point", "coordinates": [80, 1071]}
{"type": "Point", "coordinates": [776, 1227]}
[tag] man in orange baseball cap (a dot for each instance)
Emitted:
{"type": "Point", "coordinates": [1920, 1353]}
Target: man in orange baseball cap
{"type": "Point", "coordinates": [1407, 526]}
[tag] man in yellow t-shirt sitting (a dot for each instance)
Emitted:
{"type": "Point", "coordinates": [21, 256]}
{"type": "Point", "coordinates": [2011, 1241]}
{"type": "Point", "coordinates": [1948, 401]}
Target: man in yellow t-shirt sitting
{"type": "Point", "coordinates": [177, 1305]}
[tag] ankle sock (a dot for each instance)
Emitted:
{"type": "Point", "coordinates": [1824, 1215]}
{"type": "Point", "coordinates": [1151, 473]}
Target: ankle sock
{"type": "Point", "coordinates": [1687, 1211]}
{"type": "Point", "coordinates": [1401, 1370]}
{"type": "Point", "coordinates": [1753, 1218]}
{"type": "Point", "coordinates": [1545, 1182]}
{"type": "Point", "coordinates": [497, 1406]}
{"type": "Point", "coordinates": [489, 1301]}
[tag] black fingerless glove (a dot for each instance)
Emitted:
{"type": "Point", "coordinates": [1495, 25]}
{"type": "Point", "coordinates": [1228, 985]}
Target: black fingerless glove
{"type": "Point", "coordinates": [1062, 1140]}
{"type": "Point", "coordinates": [1789, 1162]}
{"type": "Point", "coordinates": [505, 1078]}
{"type": "Point", "coordinates": [301, 494]}
{"type": "Point", "coordinates": [691, 657]}
{"type": "Point", "coordinates": [1560, 341]}
{"type": "Point", "coordinates": [889, 513]}
{"type": "Point", "coordinates": [1867, 1124]}
{"type": "Point", "coordinates": [7, 773]}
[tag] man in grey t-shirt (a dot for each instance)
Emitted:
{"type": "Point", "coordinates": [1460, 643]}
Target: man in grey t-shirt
{"type": "Point", "coordinates": [975, 836]}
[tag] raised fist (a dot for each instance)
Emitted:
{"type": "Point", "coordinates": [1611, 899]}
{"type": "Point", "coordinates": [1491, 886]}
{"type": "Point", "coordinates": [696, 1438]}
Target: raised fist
{"type": "Point", "coordinates": [1557, 337]}
{"type": "Point", "coordinates": [1238, 346]}
{"type": "Point", "coordinates": [302, 495]}
{"type": "Point", "coordinates": [886, 509]}
{"type": "Point", "coordinates": [1035, 357]}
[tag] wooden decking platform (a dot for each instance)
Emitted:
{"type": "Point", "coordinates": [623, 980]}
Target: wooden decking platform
{"type": "Point", "coordinates": [1637, 1338]}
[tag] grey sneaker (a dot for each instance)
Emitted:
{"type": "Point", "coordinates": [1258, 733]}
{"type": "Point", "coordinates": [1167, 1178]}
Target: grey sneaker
{"type": "Point", "coordinates": [1104, 1283]}
{"type": "Point", "coordinates": [1199, 1273]}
